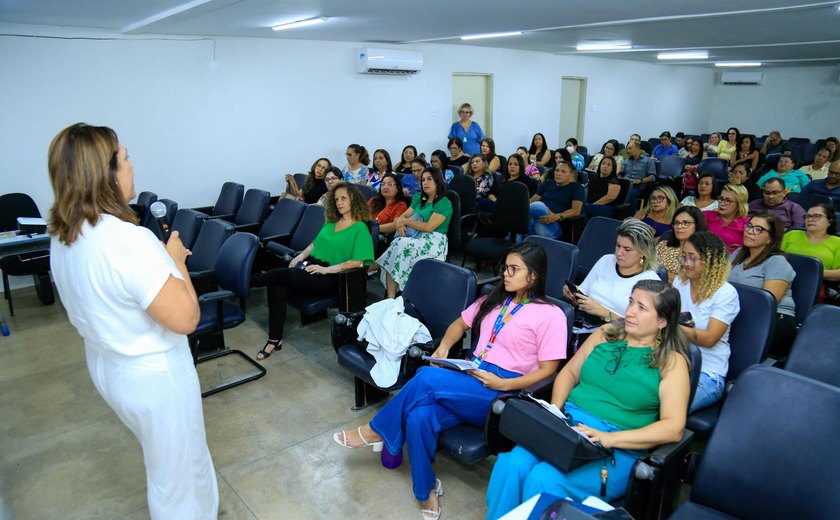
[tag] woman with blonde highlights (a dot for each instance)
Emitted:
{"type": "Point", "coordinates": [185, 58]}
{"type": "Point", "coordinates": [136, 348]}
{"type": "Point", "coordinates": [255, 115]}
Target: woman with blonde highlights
{"type": "Point", "coordinates": [131, 300]}
{"type": "Point", "coordinates": [709, 306]}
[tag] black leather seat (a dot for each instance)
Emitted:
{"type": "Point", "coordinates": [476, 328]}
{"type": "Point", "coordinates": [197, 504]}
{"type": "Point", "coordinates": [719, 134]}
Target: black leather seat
{"type": "Point", "coordinates": [230, 198]}
{"type": "Point", "coordinates": [251, 213]}
{"type": "Point", "coordinates": [311, 222]}
{"type": "Point", "coordinates": [716, 166]}
{"type": "Point", "coordinates": [142, 208]}
{"type": "Point", "coordinates": [453, 234]}
{"type": "Point", "coordinates": [806, 287]}
{"type": "Point", "coordinates": [456, 289]}
{"type": "Point", "coordinates": [511, 217]}
{"type": "Point", "coordinates": [205, 251]}
{"type": "Point", "coordinates": [815, 351]}
{"type": "Point", "coordinates": [282, 221]}
{"type": "Point", "coordinates": [464, 186]}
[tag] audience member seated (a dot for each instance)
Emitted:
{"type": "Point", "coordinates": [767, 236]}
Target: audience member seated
{"type": "Point", "coordinates": [603, 190]}
{"type": "Point", "coordinates": [560, 154]}
{"type": "Point", "coordinates": [604, 292]}
{"type": "Point", "coordinates": [577, 158]}
{"type": "Point", "coordinates": [696, 153]}
{"type": "Point", "coordinates": [343, 243]}
{"type": "Point", "coordinates": [439, 161]}
{"type": "Point", "coordinates": [747, 154]}
{"type": "Point", "coordinates": [331, 178]}
{"type": "Point", "coordinates": [682, 144]}
{"type": "Point", "coordinates": [714, 143]}
{"type": "Point", "coordinates": [381, 166]}
{"type": "Point", "coordinates": [626, 389]}
{"type": "Point", "coordinates": [794, 180]}
{"type": "Point", "coordinates": [467, 131]}
{"type": "Point", "coordinates": [775, 144]}
{"type": "Point", "coordinates": [538, 152]}
{"type": "Point", "coordinates": [819, 168]}
{"type": "Point", "coordinates": [421, 232]}
{"type": "Point", "coordinates": [830, 186]}
{"type": "Point", "coordinates": [659, 210]}
{"type": "Point", "coordinates": [687, 221]}
{"type": "Point", "coordinates": [727, 148]}
{"type": "Point", "coordinates": [728, 221]}
{"type": "Point", "coordinates": [740, 176]}
{"type": "Point", "coordinates": [761, 263]}
{"type": "Point", "coordinates": [634, 138]}
{"type": "Point", "coordinates": [456, 153]}
{"type": "Point", "coordinates": [516, 173]}
{"type": "Point", "coordinates": [356, 169]}
{"type": "Point", "coordinates": [665, 147]}
{"type": "Point", "coordinates": [388, 204]}
{"type": "Point", "coordinates": [314, 186]}
{"type": "Point", "coordinates": [818, 240]}
{"type": "Point", "coordinates": [409, 153]}
{"type": "Point", "coordinates": [833, 146]}
{"type": "Point", "coordinates": [705, 200]}
{"type": "Point", "coordinates": [411, 180]}
{"type": "Point", "coordinates": [488, 150]}
{"type": "Point", "coordinates": [485, 183]}
{"type": "Point", "coordinates": [556, 199]}
{"type": "Point", "coordinates": [640, 170]}
{"type": "Point", "coordinates": [521, 340]}
{"type": "Point", "coordinates": [709, 305]}
{"type": "Point", "coordinates": [531, 169]}
{"type": "Point", "coordinates": [610, 150]}
{"type": "Point", "coordinates": [775, 202]}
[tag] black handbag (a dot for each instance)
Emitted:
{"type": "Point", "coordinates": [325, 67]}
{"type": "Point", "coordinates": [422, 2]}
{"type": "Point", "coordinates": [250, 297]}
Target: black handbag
{"type": "Point", "coordinates": [547, 436]}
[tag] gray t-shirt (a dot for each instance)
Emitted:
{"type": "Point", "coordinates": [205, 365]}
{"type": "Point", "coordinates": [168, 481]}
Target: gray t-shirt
{"type": "Point", "coordinates": [775, 267]}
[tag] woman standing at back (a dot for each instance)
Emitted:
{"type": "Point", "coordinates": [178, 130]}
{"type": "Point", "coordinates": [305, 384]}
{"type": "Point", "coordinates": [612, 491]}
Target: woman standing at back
{"type": "Point", "coordinates": [467, 131]}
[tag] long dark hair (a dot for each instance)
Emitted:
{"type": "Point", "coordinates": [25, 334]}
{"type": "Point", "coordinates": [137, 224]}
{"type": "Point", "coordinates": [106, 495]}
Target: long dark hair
{"type": "Point", "coordinates": [440, 185]}
{"type": "Point", "coordinates": [310, 177]}
{"type": "Point", "coordinates": [518, 160]}
{"type": "Point", "coordinates": [378, 201]}
{"type": "Point", "coordinates": [364, 158]}
{"type": "Point", "coordinates": [777, 234]}
{"type": "Point", "coordinates": [536, 261]}
{"type": "Point", "coordinates": [699, 223]}
{"type": "Point", "coordinates": [389, 167]}
{"type": "Point", "coordinates": [538, 151]}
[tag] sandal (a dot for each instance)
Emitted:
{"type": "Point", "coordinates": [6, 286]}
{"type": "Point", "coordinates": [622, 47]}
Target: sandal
{"type": "Point", "coordinates": [429, 514]}
{"type": "Point", "coordinates": [276, 345]}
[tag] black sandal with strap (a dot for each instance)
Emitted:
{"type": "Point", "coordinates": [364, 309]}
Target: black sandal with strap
{"type": "Point", "coordinates": [276, 343]}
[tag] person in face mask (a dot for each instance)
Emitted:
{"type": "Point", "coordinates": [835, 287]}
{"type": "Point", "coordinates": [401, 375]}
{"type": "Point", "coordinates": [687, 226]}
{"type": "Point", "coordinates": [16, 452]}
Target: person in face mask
{"type": "Point", "coordinates": [577, 159]}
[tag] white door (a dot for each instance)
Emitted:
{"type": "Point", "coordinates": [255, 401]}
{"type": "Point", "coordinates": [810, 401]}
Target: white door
{"type": "Point", "coordinates": [477, 90]}
{"type": "Point", "coordinates": [572, 109]}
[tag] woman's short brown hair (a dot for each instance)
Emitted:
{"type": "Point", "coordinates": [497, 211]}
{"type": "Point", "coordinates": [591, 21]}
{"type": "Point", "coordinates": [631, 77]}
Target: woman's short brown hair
{"type": "Point", "coordinates": [82, 163]}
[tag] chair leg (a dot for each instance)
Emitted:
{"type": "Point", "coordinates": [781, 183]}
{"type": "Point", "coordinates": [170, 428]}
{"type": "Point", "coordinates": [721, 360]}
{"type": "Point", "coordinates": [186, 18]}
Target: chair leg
{"type": "Point", "coordinates": [7, 293]}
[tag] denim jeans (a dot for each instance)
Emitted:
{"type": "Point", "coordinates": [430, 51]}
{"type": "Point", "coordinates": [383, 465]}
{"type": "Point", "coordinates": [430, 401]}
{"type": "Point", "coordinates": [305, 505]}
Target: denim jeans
{"type": "Point", "coordinates": [434, 400]}
{"type": "Point", "coordinates": [709, 391]}
{"type": "Point", "coordinates": [539, 209]}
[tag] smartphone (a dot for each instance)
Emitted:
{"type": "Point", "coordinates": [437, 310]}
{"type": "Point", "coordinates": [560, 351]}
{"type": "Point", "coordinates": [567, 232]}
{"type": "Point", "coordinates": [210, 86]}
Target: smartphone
{"type": "Point", "coordinates": [574, 289]}
{"type": "Point", "coordinates": [686, 319]}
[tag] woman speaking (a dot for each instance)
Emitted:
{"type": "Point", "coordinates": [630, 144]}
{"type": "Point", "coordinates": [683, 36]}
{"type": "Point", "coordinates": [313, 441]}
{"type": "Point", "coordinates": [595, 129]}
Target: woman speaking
{"type": "Point", "coordinates": [132, 302]}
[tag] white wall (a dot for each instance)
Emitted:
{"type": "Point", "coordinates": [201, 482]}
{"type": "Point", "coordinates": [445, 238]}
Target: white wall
{"type": "Point", "coordinates": [797, 101]}
{"type": "Point", "coordinates": [194, 114]}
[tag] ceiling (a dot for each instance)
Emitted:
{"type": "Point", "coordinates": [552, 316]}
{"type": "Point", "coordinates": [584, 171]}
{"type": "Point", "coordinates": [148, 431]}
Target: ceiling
{"type": "Point", "coordinates": [774, 32]}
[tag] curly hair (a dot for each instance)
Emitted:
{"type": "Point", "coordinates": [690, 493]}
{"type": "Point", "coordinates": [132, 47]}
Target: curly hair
{"type": "Point", "coordinates": [715, 260]}
{"type": "Point", "coordinates": [359, 210]}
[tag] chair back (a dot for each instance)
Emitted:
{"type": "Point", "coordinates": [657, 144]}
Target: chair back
{"type": "Point", "coordinates": [144, 203]}
{"type": "Point", "coordinates": [774, 452]}
{"type": "Point", "coordinates": [503, 168]}
{"type": "Point", "coordinates": [283, 219]}
{"type": "Point", "coordinates": [597, 240]}
{"type": "Point", "coordinates": [230, 198]}
{"type": "Point", "coordinates": [367, 191]}
{"type": "Point", "coordinates": [807, 285]}
{"type": "Point", "coordinates": [300, 179]}
{"type": "Point", "coordinates": [696, 359]}
{"type": "Point", "coordinates": [14, 205]}
{"type": "Point", "coordinates": [808, 200]}
{"type": "Point", "coordinates": [146, 198]}
{"type": "Point", "coordinates": [254, 207]}
{"type": "Point", "coordinates": [671, 166]}
{"type": "Point", "coordinates": [716, 166]}
{"type": "Point", "coordinates": [234, 262]}
{"type": "Point", "coordinates": [815, 353]}
{"type": "Point", "coordinates": [562, 263]}
{"type": "Point", "coordinates": [187, 223]}
{"type": "Point", "coordinates": [512, 208]}
{"type": "Point", "coordinates": [464, 186]}
{"type": "Point", "coordinates": [569, 312]}
{"type": "Point", "coordinates": [457, 170]}
{"type": "Point", "coordinates": [752, 330]}
{"type": "Point", "coordinates": [205, 251]}
{"type": "Point", "coordinates": [454, 233]}
{"type": "Point", "coordinates": [439, 308]}
{"type": "Point", "coordinates": [310, 224]}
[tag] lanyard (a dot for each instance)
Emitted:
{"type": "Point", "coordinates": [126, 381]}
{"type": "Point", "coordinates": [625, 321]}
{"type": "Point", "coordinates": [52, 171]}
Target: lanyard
{"type": "Point", "coordinates": [501, 320]}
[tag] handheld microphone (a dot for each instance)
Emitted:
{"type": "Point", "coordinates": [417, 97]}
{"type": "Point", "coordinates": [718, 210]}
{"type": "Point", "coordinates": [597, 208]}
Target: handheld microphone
{"type": "Point", "coordinates": [158, 210]}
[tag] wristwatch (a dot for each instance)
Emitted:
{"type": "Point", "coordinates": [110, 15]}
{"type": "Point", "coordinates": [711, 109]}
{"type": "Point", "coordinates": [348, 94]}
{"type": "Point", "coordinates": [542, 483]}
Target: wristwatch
{"type": "Point", "coordinates": [608, 317]}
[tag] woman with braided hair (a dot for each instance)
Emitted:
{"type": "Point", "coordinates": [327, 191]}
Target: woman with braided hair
{"type": "Point", "coordinates": [709, 306]}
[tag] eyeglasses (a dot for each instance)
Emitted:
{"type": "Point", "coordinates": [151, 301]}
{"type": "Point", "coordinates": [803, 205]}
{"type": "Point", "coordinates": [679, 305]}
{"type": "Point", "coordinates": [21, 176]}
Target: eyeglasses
{"type": "Point", "coordinates": [724, 200]}
{"type": "Point", "coordinates": [689, 260]}
{"type": "Point", "coordinates": [464, 112]}
{"type": "Point", "coordinates": [754, 230]}
{"type": "Point", "coordinates": [658, 198]}
{"type": "Point", "coordinates": [813, 216]}
{"type": "Point", "coordinates": [835, 172]}
{"type": "Point", "coordinates": [388, 185]}
{"type": "Point", "coordinates": [683, 223]}
{"type": "Point", "coordinates": [330, 179]}
{"type": "Point", "coordinates": [509, 270]}
{"type": "Point", "coordinates": [772, 193]}
{"type": "Point", "coordinates": [612, 365]}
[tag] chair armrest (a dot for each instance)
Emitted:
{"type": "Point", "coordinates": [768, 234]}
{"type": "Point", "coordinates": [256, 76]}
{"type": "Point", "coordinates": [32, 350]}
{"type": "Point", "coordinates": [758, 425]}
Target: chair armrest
{"type": "Point", "coordinates": [207, 210]}
{"type": "Point", "coordinates": [247, 228]}
{"type": "Point", "coordinates": [203, 281]}
{"type": "Point", "coordinates": [279, 250]}
{"type": "Point", "coordinates": [666, 452]}
{"type": "Point", "coordinates": [227, 216]}
{"type": "Point", "coordinates": [278, 239]}
{"type": "Point", "coordinates": [216, 296]}
{"type": "Point", "coordinates": [542, 389]}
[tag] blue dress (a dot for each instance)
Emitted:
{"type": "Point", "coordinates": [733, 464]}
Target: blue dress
{"type": "Point", "coordinates": [470, 140]}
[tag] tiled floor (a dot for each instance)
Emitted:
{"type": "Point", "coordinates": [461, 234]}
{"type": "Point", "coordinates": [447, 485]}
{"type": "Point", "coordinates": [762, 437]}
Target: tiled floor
{"type": "Point", "coordinates": [64, 454]}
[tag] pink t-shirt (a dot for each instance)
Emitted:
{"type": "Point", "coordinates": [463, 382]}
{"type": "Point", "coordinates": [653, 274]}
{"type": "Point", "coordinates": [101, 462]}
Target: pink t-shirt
{"type": "Point", "coordinates": [732, 234]}
{"type": "Point", "coordinates": [537, 332]}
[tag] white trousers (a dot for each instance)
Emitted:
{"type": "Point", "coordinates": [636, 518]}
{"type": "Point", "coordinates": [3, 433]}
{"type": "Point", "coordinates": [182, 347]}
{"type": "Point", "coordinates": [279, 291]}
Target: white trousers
{"type": "Point", "coordinates": [163, 410]}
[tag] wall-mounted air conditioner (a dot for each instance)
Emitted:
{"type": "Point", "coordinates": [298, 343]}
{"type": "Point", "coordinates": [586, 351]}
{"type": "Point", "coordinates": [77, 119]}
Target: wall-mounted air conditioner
{"type": "Point", "coordinates": [388, 61]}
{"type": "Point", "coordinates": [741, 78]}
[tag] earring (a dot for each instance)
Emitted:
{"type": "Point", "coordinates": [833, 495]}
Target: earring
{"type": "Point", "coordinates": [642, 261]}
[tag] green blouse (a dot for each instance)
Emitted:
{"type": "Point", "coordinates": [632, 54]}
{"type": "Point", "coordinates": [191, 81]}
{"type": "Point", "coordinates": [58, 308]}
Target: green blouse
{"type": "Point", "coordinates": [441, 207]}
{"type": "Point", "coordinates": [351, 243]}
{"type": "Point", "coordinates": [828, 251]}
{"type": "Point", "coordinates": [618, 385]}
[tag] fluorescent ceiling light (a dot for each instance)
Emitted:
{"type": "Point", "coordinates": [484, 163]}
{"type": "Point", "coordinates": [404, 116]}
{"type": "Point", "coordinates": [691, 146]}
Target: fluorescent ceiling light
{"type": "Point", "coordinates": [739, 64]}
{"type": "Point", "coordinates": [690, 55]}
{"type": "Point", "coordinates": [604, 46]}
{"type": "Point", "coordinates": [490, 35]}
{"type": "Point", "coordinates": [299, 23]}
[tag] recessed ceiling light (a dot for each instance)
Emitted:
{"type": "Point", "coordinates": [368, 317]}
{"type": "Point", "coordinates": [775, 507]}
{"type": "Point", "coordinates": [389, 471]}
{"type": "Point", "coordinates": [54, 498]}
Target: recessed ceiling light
{"type": "Point", "coordinates": [299, 23]}
{"type": "Point", "coordinates": [604, 46]}
{"type": "Point", "coordinates": [690, 55]}
{"type": "Point", "coordinates": [739, 64]}
{"type": "Point", "coordinates": [490, 35]}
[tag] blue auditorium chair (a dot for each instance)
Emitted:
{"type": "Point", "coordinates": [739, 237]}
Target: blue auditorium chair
{"type": "Point", "coordinates": [230, 198]}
